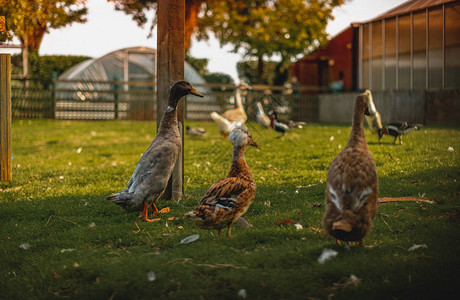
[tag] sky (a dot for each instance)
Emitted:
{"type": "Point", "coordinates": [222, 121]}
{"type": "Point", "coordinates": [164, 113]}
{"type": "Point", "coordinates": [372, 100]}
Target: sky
{"type": "Point", "coordinates": [108, 30]}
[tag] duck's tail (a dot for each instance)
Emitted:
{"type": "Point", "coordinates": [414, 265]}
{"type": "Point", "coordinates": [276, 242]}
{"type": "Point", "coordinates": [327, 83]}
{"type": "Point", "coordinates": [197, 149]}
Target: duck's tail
{"type": "Point", "coordinates": [192, 215]}
{"type": "Point", "coordinates": [410, 128]}
{"type": "Point", "coordinates": [218, 118]}
{"type": "Point", "coordinates": [119, 199]}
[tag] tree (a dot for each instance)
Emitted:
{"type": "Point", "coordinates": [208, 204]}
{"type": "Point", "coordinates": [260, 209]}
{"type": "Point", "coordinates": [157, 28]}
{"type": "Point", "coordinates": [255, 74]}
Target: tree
{"type": "Point", "coordinates": [200, 64]}
{"type": "Point", "coordinates": [262, 29]}
{"type": "Point", "coordinates": [139, 8]}
{"type": "Point", "coordinates": [247, 72]}
{"type": "Point", "coordinates": [30, 20]}
{"type": "Point", "coordinates": [218, 77]}
{"type": "Point", "coordinates": [269, 28]}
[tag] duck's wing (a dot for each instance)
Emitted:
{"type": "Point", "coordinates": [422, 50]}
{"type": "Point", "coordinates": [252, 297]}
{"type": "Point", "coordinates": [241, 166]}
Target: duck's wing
{"type": "Point", "coordinates": [200, 130]}
{"type": "Point", "coordinates": [352, 182]}
{"type": "Point", "coordinates": [156, 161]}
{"type": "Point", "coordinates": [225, 192]}
{"type": "Point", "coordinates": [143, 171]}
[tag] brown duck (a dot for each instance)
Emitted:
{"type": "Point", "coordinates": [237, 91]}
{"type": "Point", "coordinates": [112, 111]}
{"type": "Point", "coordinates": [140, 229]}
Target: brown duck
{"type": "Point", "coordinates": [154, 169]}
{"type": "Point", "coordinates": [352, 187]}
{"type": "Point", "coordinates": [228, 198]}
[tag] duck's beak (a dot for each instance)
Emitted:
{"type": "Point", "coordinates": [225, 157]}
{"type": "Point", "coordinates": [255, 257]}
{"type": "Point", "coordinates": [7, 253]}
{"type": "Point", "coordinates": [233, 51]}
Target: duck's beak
{"type": "Point", "coordinates": [196, 93]}
{"type": "Point", "coordinates": [253, 144]}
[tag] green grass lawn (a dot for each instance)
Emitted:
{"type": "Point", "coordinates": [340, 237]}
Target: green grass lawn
{"type": "Point", "coordinates": [78, 245]}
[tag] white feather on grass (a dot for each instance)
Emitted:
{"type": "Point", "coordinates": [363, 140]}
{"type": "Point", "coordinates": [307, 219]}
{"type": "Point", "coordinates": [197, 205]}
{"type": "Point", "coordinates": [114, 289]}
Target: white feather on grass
{"type": "Point", "coordinates": [190, 239]}
{"type": "Point", "coordinates": [327, 255]}
{"type": "Point", "coordinates": [151, 276]}
{"type": "Point", "coordinates": [416, 247]}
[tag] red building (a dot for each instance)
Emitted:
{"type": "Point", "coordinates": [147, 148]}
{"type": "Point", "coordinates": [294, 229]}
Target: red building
{"type": "Point", "coordinates": [413, 46]}
{"type": "Point", "coordinates": [337, 61]}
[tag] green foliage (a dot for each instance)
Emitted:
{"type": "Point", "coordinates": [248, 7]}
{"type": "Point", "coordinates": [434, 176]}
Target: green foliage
{"type": "Point", "coordinates": [262, 29]}
{"type": "Point", "coordinates": [83, 247]}
{"type": "Point", "coordinates": [200, 64]}
{"type": "Point", "coordinates": [45, 66]}
{"type": "Point", "coordinates": [247, 71]}
{"type": "Point", "coordinates": [259, 28]}
{"type": "Point", "coordinates": [217, 77]}
{"type": "Point", "coordinates": [29, 20]}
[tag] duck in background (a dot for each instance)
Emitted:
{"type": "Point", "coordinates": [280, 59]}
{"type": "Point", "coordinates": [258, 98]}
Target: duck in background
{"type": "Point", "coordinates": [237, 114]}
{"type": "Point", "coordinates": [225, 126]}
{"type": "Point", "coordinates": [289, 123]}
{"type": "Point", "coordinates": [262, 118]}
{"type": "Point", "coordinates": [154, 169]}
{"type": "Point", "coordinates": [195, 131]}
{"type": "Point", "coordinates": [397, 129]}
{"type": "Point", "coordinates": [352, 185]}
{"type": "Point", "coordinates": [276, 124]}
{"type": "Point", "coordinates": [228, 198]}
{"type": "Point", "coordinates": [373, 120]}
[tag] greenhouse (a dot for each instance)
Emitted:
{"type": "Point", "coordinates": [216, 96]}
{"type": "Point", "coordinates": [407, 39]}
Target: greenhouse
{"type": "Point", "coordinates": [121, 85]}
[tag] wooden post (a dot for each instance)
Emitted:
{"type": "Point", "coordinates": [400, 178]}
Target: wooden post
{"type": "Point", "coordinates": [5, 117]}
{"type": "Point", "coordinates": [170, 68]}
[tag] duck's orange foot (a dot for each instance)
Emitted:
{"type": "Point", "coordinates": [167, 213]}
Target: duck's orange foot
{"type": "Point", "coordinates": [164, 210]}
{"type": "Point", "coordinates": [151, 220]}
{"type": "Point", "coordinates": [146, 211]}
{"type": "Point", "coordinates": [337, 241]}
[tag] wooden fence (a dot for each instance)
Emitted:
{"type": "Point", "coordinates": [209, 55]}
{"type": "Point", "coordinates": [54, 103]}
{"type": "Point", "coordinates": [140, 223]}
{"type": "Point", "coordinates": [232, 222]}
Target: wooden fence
{"type": "Point", "coordinates": [137, 101]}
{"type": "Point", "coordinates": [103, 100]}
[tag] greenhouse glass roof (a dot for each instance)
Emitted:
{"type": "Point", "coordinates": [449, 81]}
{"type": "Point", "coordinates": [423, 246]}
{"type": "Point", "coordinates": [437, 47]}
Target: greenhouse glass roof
{"type": "Point", "coordinates": [129, 64]}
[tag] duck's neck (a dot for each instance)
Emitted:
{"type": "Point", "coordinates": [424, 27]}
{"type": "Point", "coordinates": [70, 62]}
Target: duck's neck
{"type": "Point", "coordinates": [239, 166]}
{"type": "Point", "coordinates": [357, 129]}
{"type": "Point", "coordinates": [238, 103]}
{"type": "Point", "coordinates": [169, 119]}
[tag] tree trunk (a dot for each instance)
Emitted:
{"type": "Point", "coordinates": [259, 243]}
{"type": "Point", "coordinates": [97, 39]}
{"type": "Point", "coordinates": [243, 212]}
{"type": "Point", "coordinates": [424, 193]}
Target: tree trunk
{"type": "Point", "coordinates": [25, 60]}
{"type": "Point", "coordinates": [281, 74]}
{"type": "Point", "coordinates": [260, 70]}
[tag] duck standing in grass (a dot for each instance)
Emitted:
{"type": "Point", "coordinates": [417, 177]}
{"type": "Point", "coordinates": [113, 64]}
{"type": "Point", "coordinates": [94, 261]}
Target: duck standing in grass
{"type": "Point", "coordinates": [195, 131]}
{"type": "Point", "coordinates": [373, 119]}
{"type": "Point", "coordinates": [397, 129]}
{"type": "Point", "coordinates": [228, 198]}
{"type": "Point", "coordinates": [225, 126]}
{"type": "Point", "coordinates": [154, 169]}
{"type": "Point", "coordinates": [352, 187]}
{"type": "Point", "coordinates": [262, 118]}
{"type": "Point", "coordinates": [276, 124]}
